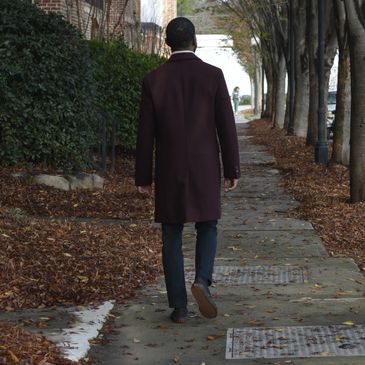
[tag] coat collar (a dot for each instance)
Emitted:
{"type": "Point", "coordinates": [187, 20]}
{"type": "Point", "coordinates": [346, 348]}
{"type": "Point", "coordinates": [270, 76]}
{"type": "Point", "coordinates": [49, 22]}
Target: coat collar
{"type": "Point", "coordinates": [185, 56]}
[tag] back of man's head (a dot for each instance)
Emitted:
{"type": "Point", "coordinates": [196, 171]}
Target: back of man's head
{"type": "Point", "coordinates": [180, 33]}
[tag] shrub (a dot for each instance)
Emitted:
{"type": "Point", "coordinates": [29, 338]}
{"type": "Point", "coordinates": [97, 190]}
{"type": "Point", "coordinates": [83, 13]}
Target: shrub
{"type": "Point", "coordinates": [245, 100]}
{"type": "Point", "coordinates": [46, 89]}
{"type": "Point", "coordinates": [119, 72]}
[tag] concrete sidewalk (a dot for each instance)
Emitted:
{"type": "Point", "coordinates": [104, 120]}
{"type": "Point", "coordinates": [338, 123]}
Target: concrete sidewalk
{"type": "Point", "coordinates": [281, 298]}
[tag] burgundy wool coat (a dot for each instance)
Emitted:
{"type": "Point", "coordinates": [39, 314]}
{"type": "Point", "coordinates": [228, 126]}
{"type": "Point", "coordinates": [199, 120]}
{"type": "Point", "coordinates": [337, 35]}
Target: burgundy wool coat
{"type": "Point", "coordinates": [185, 116]}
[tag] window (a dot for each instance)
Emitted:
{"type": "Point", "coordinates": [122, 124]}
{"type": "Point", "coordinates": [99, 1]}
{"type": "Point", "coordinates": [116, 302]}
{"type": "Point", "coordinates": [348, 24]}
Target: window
{"type": "Point", "coordinates": [97, 3]}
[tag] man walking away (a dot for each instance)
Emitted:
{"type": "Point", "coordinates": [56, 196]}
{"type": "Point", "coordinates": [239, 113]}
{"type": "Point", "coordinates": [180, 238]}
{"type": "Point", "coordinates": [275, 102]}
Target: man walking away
{"type": "Point", "coordinates": [185, 106]}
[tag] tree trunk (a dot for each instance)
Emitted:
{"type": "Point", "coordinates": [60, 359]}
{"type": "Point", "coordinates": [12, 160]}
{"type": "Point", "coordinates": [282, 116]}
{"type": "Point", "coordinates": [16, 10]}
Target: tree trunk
{"type": "Point", "coordinates": [290, 59]}
{"type": "Point", "coordinates": [287, 108]}
{"type": "Point", "coordinates": [260, 90]}
{"type": "Point", "coordinates": [341, 133]}
{"type": "Point", "coordinates": [273, 96]}
{"type": "Point", "coordinates": [312, 40]}
{"type": "Point", "coordinates": [267, 113]}
{"type": "Point", "coordinates": [330, 51]}
{"type": "Point", "coordinates": [280, 96]}
{"type": "Point", "coordinates": [263, 101]}
{"type": "Point", "coordinates": [356, 26]}
{"type": "Point", "coordinates": [252, 83]}
{"type": "Point", "coordinates": [301, 104]}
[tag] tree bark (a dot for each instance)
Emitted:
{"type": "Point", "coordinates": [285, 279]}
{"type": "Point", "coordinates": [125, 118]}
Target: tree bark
{"type": "Point", "coordinates": [260, 90]}
{"type": "Point", "coordinates": [268, 107]}
{"type": "Point", "coordinates": [301, 104]}
{"type": "Point", "coordinates": [273, 96]}
{"type": "Point", "coordinates": [330, 51]}
{"type": "Point", "coordinates": [312, 40]}
{"type": "Point", "coordinates": [252, 84]}
{"type": "Point", "coordinates": [287, 108]}
{"type": "Point", "coordinates": [341, 133]}
{"type": "Point", "coordinates": [280, 97]}
{"type": "Point", "coordinates": [290, 60]}
{"type": "Point", "coordinates": [355, 10]}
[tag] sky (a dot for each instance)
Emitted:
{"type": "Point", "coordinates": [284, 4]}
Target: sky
{"type": "Point", "coordinates": [216, 50]}
{"type": "Point", "coordinates": [152, 11]}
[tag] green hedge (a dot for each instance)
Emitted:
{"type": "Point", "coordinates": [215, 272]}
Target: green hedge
{"type": "Point", "coordinates": [53, 85]}
{"type": "Point", "coordinates": [119, 72]}
{"type": "Point", "coordinates": [47, 90]}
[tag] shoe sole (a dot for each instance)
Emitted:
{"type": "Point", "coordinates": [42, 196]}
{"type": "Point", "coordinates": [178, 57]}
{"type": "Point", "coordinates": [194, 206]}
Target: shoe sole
{"type": "Point", "coordinates": [206, 307]}
{"type": "Point", "coordinates": [180, 320]}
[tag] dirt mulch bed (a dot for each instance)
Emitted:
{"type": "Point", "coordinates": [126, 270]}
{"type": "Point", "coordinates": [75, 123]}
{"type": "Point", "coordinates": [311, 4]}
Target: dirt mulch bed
{"type": "Point", "coordinates": [118, 200]}
{"type": "Point", "coordinates": [322, 191]}
{"type": "Point", "coordinates": [18, 346]}
{"type": "Point", "coordinates": [45, 264]}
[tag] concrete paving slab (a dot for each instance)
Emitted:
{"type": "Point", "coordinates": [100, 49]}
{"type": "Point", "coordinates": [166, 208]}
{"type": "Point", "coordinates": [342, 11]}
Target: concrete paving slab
{"type": "Point", "coordinates": [266, 188]}
{"type": "Point", "coordinates": [271, 244]}
{"type": "Point", "coordinates": [257, 160]}
{"type": "Point", "coordinates": [248, 147]}
{"type": "Point", "coordinates": [320, 283]}
{"type": "Point", "coordinates": [264, 244]}
{"type": "Point", "coordinates": [258, 214]}
{"type": "Point", "coordinates": [253, 274]}
{"type": "Point", "coordinates": [257, 200]}
{"type": "Point", "coordinates": [259, 181]}
{"type": "Point", "coordinates": [248, 208]}
{"type": "Point", "coordinates": [296, 238]}
{"type": "Point", "coordinates": [243, 138]}
{"type": "Point", "coordinates": [273, 224]}
{"type": "Point", "coordinates": [295, 342]}
{"type": "Point", "coordinates": [148, 337]}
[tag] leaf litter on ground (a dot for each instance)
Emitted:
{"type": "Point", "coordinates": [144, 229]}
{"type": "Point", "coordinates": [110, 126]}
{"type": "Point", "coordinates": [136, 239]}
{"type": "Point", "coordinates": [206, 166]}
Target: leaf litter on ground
{"type": "Point", "coordinates": [51, 262]}
{"type": "Point", "coordinates": [118, 200]}
{"type": "Point", "coordinates": [18, 346]}
{"type": "Point", "coordinates": [70, 263]}
{"type": "Point", "coordinates": [323, 191]}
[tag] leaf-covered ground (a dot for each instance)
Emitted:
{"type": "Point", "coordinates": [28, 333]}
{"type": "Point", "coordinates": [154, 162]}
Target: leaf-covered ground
{"type": "Point", "coordinates": [323, 191]}
{"type": "Point", "coordinates": [45, 264]}
{"type": "Point", "coordinates": [18, 346]}
{"type": "Point", "coordinates": [118, 199]}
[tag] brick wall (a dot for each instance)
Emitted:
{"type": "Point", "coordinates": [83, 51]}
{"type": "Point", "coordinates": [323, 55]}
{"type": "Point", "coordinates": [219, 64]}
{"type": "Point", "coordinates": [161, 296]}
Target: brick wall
{"type": "Point", "coordinates": [124, 19]}
{"type": "Point", "coordinates": [50, 5]}
{"type": "Point", "coordinates": [89, 18]}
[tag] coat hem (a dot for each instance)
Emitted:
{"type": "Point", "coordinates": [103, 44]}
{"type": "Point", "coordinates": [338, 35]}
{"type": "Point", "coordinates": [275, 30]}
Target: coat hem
{"type": "Point", "coordinates": [187, 220]}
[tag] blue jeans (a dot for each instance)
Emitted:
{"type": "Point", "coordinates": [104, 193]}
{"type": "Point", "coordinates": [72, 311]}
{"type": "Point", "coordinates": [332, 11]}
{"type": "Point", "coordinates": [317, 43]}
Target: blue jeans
{"type": "Point", "coordinates": [173, 260]}
{"type": "Point", "coordinates": [235, 103]}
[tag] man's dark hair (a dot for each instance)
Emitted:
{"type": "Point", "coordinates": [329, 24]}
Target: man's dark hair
{"type": "Point", "coordinates": [179, 33]}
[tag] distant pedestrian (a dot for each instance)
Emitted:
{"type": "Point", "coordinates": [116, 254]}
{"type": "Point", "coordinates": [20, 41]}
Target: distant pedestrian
{"type": "Point", "coordinates": [185, 106]}
{"type": "Point", "coordinates": [236, 98]}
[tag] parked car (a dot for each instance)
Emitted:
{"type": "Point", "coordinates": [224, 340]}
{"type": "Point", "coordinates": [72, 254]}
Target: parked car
{"type": "Point", "coordinates": [331, 111]}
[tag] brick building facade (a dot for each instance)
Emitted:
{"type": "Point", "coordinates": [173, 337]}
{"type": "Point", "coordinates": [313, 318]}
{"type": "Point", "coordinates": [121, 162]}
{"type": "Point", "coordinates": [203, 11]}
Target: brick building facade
{"type": "Point", "coordinates": [155, 15]}
{"type": "Point", "coordinates": [115, 19]}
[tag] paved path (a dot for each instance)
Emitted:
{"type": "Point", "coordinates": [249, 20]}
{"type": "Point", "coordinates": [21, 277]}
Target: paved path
{"type": "Point", "coordinates": [271, 271]}
{"type": "Point", "coordinates": [282, 299]}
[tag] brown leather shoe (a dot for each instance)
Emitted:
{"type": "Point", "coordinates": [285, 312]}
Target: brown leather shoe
{"type": "Point", "coordinates": [201, 292]}
{"type": "Point", "coordinates": [179, 315]}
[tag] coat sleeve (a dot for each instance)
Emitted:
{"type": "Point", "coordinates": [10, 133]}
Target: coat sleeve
{"type": "Point", "coordinates": [145, 139]}
{"type": "Point", "coordinates": [226, 130]}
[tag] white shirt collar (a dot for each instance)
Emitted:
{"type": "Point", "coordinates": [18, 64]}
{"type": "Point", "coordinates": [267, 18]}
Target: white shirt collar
{"type": "Point", "coordinates": [187, 51]}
